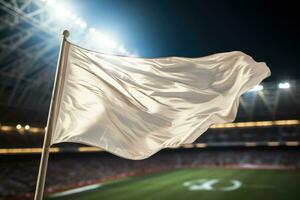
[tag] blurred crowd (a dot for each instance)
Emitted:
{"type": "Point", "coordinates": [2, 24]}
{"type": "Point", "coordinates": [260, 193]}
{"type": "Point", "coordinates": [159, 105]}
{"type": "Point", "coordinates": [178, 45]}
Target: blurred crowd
{"type": "Point", "coordinates": [18, 173]}
{"type": "Point", "coordinates": [256, 134]}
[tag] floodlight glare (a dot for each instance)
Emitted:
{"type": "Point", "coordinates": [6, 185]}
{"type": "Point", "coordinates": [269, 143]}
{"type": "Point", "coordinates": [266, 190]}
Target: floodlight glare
{"type": "Point", "coordinates": [92, 30]}
{"type": "Point", "coordinates": [284, 85]}
{"type": "Point", "coordinates": [78, 20]}
{"type": "Point", "coordinates": [122, 49]}
{"type": "Point", "coordinates": [27, 127]}
{"type": "Point", "coordinates": [257, 88]}
{"type": "Point", "coordinates": [18, 126]}
{"type": "Point", "coordinates": [73, 17]}
{"type": "Point", "coordinates": [106, 41]}
{"type": "Point", "coordinates": [61, 13]}
{"type": "Point", "coordinates": [68, 13]}
{"type": "Point", "coordinates": [51, 3]}
{"type": "Point", "coordinates": [83, 24]}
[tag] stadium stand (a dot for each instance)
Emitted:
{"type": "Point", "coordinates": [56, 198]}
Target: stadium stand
{"type": "Point", "coordinates": [69, 170]}
{"type": "Point", "coordinates": [212, 136]}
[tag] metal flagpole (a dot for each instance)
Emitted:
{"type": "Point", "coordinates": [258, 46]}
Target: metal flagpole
{"type": "Point", "coordinates": [54, 108]}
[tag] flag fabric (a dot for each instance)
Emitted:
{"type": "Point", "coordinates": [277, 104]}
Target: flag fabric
{"type": "Point", "coordinates": [134, 107]}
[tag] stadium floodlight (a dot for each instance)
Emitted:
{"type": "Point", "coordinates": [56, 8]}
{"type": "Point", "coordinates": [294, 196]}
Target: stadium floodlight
{"type": "Point", "coordinates": [92, 30]}
{"type": "Point", "coordinates": [18, 126]}
{"type": "Point", "coordinates": [108, 44]}
{"type": "Point", "coordinates": [106, 41]}
{"type": "Point", "coordinates": [61, 13]}
{"type": "Point", "coordinates": [257, 88]}
{"type": "Point", "coordinates": [284, 85]}
{"type": "Point", "coordinates": [27, 127]}
{"type": "Point", "coordinates": [80, 22]}
{"type": "Point", "coordinates": [122, 49]}
{"type": "Point", "coordinates": [83, 24]}
{"type": "Point", "coordinates": [51, 3]}
{"type": "Point", "coordinates": [73, 17]}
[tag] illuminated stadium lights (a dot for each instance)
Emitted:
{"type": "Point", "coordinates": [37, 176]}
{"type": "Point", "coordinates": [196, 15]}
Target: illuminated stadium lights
{"type": "Point", "coordinates": [122, 50]}
{"type": "Point", "coordinates": [36, 130]}
{"type": "Point", "coordinates": [18, 126]}
{"type": "Point", "coordinates": [81, 23]}
{"type": "Point", "coordinates": [62, 13]}
{"type": "Point", "coordinates": [27, 127]}
{"type": "Point", "coordinates": [51, 3]}
{"type": "Point", "coordinates": [273, 144]}
{"type": "Point", "coordinates": [292, 143]}
{"type": "Point", "coordinates": [27, 150]}
{"type": "Point", "coordinates": [7, 128]}
{"type": "Point", "coordinates": [88, 149]}
{"type": "Point", "coordinates": [92, 30]}
{"type": "Point", "coordinates": [264, 123]}
{"type": "Point", "coordinates": [284, 85]}
{"type": "Point", "coordinates": [106, 41]}
{"type": "Point", "coordinates": [257, 88]}
{"type": "Point", "coordinates": [73, 17]}
{"type": "Point", "coordinates": [286, 122]}
{"type": "Point", "coordinates": [200, 145]}
{"type": "Point", "coordinates": [250, 144]}
{"type": "Point", "coordinates": [95, 149]}
{"type": "Point", "coordinates": [257, 124]}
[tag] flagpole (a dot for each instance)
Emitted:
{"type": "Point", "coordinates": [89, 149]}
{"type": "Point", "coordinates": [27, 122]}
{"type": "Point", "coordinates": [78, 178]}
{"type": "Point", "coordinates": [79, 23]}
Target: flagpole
{"type": "Point", "coordinates": [54, 108]}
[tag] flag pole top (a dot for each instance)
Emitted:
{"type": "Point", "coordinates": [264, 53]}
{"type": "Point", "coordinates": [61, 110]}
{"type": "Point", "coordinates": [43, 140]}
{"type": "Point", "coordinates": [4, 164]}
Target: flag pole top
{"type": "Point", "coordinates": [66, 33]}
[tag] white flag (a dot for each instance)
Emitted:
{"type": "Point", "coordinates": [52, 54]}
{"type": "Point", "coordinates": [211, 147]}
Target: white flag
{"type": "Point", "coordinates": [134, 107]}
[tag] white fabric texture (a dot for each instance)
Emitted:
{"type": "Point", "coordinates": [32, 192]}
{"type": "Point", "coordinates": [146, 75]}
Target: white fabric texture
{"type": "Point", "coordinates": [134, 107]}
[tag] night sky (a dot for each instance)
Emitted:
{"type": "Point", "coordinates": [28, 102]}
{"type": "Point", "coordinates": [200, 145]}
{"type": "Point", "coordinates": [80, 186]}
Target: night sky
{"type": "Point", "coordinates": [266, 30]}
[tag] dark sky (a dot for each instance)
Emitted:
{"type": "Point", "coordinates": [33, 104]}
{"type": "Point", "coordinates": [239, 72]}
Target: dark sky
{"type": "Point", "coordinates": [266, 30]}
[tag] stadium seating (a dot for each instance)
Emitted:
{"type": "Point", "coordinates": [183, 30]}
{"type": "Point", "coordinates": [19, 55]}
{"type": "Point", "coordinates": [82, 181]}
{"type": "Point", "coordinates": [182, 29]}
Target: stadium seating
{"type": "Point", "coordinates": [216, 136]}
{"type": "Point", "coordinates": [71, 169]}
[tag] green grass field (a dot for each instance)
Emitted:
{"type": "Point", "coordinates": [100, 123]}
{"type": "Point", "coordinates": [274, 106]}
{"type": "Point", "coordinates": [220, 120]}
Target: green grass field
{"type": "Point", "coordinates": [188, 184]}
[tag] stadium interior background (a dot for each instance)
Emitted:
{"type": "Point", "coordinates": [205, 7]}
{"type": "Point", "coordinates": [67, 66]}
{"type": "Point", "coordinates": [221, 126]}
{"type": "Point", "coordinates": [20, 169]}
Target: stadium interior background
{"type": "Point", "coordinates": [265, 134]}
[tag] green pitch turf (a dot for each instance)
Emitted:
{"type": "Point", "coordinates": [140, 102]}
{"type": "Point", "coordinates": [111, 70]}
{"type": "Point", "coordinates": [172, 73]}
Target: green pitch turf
{"type": "Point", "coordinates": [189, 184]}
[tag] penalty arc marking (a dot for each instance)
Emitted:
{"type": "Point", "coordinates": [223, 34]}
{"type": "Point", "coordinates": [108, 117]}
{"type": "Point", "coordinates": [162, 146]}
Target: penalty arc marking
{"type": "Point", "coordinates": [209, 185]}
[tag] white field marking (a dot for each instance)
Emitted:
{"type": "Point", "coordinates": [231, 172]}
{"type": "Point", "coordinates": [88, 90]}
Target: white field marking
{"type": "Point", "coordinates": [189, 183]}
{"type": "Point", "coordinates": [208, 185]}
{"type": "Point", "coordinates": [77, 190]}
{"type": "Point", "coordinates": [235, 185]}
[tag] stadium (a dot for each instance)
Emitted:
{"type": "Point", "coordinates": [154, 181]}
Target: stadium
{"type": "Point", "coordinates": [255, 157]}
